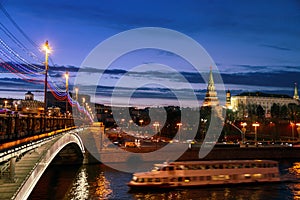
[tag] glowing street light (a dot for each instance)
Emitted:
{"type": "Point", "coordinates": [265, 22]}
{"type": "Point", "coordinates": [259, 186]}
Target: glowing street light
{"type": "Point", "coordinates": [243, 124]}
{"type": "Point", "coordinates": [179, 130]}
{"type": "Point", "coordinates": [292, 125]}
{"type": "Point", "coordinates": [47, 50]}
{"type": "Point", "coordinates": [298, 130]}
{"type": "Point", "coordinates": [76, 93]}
{"type": "Point", "coordinates": [255, 126]}
{"type": "Point", "coordinates": [156, 125]}
{"type": "Point", "coordinates": [67, 90]}
{"type": "Point", "coordinates": [5, 103]}
{"type": "Point", "coordinates": [141, 122]}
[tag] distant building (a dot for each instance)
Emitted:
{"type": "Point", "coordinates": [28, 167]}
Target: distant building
{"type": "Point", "coordinates": [29, 105]}
{"type": "Point", "coordinates": [29, 96]}
{"type": "Point", "coordinates": [242, 102]}
{"type": "Point", "coordinates": [228, 100]}
{"type": "Point", "coordinates": [211, 98]}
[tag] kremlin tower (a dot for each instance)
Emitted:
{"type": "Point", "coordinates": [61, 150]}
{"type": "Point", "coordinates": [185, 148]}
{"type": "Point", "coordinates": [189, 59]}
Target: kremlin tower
{"type": "Point", "coordinates": [296, 96]}
{"type": "Point", "coordinates": [211, 98]}
{"type": "Point", "coordinates": [228, 99]}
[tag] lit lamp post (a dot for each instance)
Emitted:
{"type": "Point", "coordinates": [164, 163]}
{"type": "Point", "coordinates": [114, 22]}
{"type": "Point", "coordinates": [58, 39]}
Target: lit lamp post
{"type": "Point", "coordinates": [76, 98]}
{"type": "Point", "coordinates": [47, 50]}
{"type": "Point", "coordinates": [67, 91]}
{"type": "Point", "coordinates": [156, 125]}
{"type": "Point", "coordinates": [292, 125]}
{"type": "Point", "coordinates": [141, 122]}
{"type": "Point", "coordinates": [76, 93]}
{"type": "Point", "coordinates": [5, 103]}
{"type": "Point", "coordinates": [255, 128]}
{"type": "Point", "coordinates": [130, 122]}
{"type": "Point", "coordinates": [83, 101]}
{"type": "Point", "coordinates": [298, 130]}
{"type": "Point", "coordinates": [244, 124]}
{"type": "Point", "coordinates": [179, 131]}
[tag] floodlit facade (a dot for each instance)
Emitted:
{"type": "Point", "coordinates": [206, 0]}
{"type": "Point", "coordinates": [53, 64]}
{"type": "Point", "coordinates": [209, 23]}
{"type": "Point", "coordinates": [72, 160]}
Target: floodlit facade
{"type": "Point", "coordinates": [241, 102]}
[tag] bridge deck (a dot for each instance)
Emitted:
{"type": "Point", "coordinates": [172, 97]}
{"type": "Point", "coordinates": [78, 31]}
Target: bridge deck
{"type": "Point", "coordinates": [22, 169]}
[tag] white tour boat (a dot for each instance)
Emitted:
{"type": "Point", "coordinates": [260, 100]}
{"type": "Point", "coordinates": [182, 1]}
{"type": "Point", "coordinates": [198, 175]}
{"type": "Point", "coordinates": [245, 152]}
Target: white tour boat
{"type": "Point", "coordinates": [205, 173]}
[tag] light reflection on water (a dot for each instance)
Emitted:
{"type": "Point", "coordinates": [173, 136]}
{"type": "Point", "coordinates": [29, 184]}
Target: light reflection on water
{"type": "Point", "coordinates": [90, 182]}
{"type": "Point", "coordinates": [295, 188]}
{"type": "Point", "coordinates": [100, 182]}
{"type": "Point", "coordinates": [80, 187]}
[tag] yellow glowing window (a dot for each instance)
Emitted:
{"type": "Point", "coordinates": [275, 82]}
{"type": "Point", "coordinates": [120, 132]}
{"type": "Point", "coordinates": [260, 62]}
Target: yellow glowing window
{"type": "Point", "coordinates": [257, 175]}
{"type": "Point", "coordinates": [247, 175]}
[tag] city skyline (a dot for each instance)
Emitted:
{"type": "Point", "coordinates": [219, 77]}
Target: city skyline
{"type": "Point", "coordinates": [254, 45]}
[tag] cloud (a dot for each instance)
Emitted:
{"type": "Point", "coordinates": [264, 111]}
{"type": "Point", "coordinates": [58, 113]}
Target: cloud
{"type": "Point", "coordinates": [276, 47]}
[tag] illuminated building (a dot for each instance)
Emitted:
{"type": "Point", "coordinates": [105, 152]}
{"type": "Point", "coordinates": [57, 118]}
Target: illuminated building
{"type": "Point", "coordinates": [211, 98]}
{"type": "Point", "coordinates": [244, 101]}
{"type": "Point", "coordinates": [29, 105]}
{"type": "Point", "coordinates": [228, 99]}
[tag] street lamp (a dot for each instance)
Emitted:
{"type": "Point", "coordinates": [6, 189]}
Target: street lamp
{"type": "Point", "coordinates": [255, 126]}
{"type": "Point", "coordinates": [76, 93]}
{"type": "Point", "coordinates": [47, 50]}
{"type": "Point", "coordinates": [141, 122]}
{"type": "Point", "coordinates": [292, 125]}
{"type": "Point", "coordinates": [156, 125]}
{"type": "Point", "coordinates": [5, 103]}
{"type": "Point", "coordinates": [298, 130]}
{"type": "Point", "coordinates": [67, 90]}
{"type": "Point", "coordinates": [243, 124]}
{"type": "Point", "coordinates": [179, 133]}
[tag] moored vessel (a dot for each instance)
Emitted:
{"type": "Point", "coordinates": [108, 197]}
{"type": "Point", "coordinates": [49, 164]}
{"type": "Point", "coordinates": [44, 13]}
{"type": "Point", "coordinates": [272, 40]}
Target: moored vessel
{"type": "Point", "coordinates": [206, 173]}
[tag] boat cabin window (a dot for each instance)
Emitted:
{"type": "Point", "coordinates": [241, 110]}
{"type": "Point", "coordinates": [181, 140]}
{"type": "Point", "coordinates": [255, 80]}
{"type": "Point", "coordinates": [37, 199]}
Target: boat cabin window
{"type": "Point", "coordinates": [187, 179]}
{"type": "Point", "coordinates": [155, 169]}
{"type": "Point", "coordinates": [140, 180]}
{"type": "Point", "coordinates": [170, 168]}
{"type": "Point", "coordinates": [157, 180]}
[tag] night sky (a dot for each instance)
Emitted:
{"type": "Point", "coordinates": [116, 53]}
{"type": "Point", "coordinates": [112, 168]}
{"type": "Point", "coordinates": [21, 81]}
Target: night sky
{"type": "Point", "coordinates": [255, 44]}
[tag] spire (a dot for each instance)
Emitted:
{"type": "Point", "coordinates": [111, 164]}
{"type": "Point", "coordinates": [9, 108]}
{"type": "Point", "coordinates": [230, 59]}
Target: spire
{"type": "Point", "coordinates": [296, 96]}
{"type": "Point", "coordinates": [228, 99]}
{"type": "Point", "coordinates": [211, 98]}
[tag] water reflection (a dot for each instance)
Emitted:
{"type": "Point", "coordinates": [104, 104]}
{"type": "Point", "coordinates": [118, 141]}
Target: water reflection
{"type": "Point", "coordinates": [88, 186]}
{"type": "Point", "coordinates": [101, 187]}
{"type": "Point", "coordinates": [295, 187]}
{"type": "Point", "coordinates": [80, 187]}
{"type": "Point", "coordinates": [295, 169]}
{"type": "Point", "coordinates": [100, 182]}
{"type": "Point", "coordinates": [213, 193]}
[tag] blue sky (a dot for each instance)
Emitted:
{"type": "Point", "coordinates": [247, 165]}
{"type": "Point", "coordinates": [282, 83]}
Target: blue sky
{"type": "Point", "coordinates": [255, 44]}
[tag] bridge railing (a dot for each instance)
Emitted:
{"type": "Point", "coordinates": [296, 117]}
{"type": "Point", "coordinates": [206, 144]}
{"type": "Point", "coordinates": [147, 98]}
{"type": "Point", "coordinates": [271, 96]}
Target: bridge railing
{"type": "Point", "coordinates": [14, 126]}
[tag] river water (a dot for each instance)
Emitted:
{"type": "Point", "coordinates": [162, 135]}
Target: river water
{"type": "Point", "coordinates": [97, 181]}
